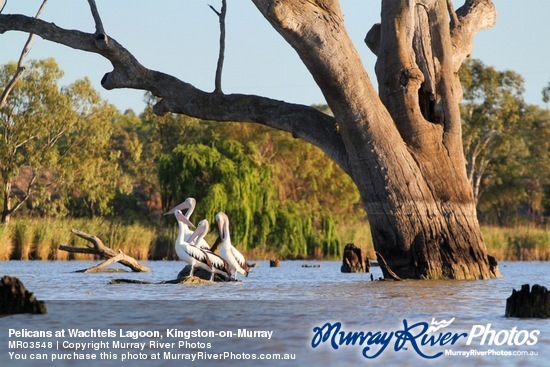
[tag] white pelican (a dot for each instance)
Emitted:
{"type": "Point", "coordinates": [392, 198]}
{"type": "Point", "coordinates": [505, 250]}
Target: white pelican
{"type": "Point", "coordinates": [192, 255]}
{"type": "Point", "coordinates": [218, 264]}
{"type": "Point", "coordinates": [234, 258]}
{"type": "Point", "coordinates": [189, 204]}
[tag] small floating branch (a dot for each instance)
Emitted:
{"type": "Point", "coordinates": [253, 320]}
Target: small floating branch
{"type": "Point", "coordinates": [386, 267]}
{"type": "Point", "coordinates": [97, 247]}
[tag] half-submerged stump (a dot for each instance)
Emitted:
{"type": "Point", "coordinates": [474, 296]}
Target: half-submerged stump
{"type": "Point", "coordinates": [97, 247]}
{"type": "Point", "coordinates": [534, 302]}
{"type": "Point", "coordinates": [198, 273]}
{"type": "Point", "coordinates": [200, 276]}
{"type": "Point", "coordinates": [353, 260]}
{"type": "Point", "coordinates": [274, 263]}
{"type": "Point", "coordinates": [15, 298]}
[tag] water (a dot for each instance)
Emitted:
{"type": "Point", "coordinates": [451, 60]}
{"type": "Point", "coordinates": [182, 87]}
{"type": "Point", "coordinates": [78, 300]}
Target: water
{"type": "Point", "coordinates": [290, 301]}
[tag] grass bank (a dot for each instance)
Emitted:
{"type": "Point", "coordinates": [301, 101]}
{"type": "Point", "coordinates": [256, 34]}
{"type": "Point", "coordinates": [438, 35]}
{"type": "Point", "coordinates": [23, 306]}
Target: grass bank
{"type": "Point", "coordinates": [520, 243]}
{"type": "Point", "coordinates": [38, 239]}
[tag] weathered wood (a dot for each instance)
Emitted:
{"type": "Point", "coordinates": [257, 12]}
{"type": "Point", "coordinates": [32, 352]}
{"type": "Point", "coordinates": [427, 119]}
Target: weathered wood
{"type": "Point", "coordinates": [534, 302]}
{"type": "Point", "coordinates": [352, 261]}
{"type": "Point", "coordinates": [16, 299]}
{"type": "Point", "coordinates": [274, 263]}
{"type": "Point", "coordinates": [401, 145]}
{"type": "Point", "coordinates": [97, 247]}
{"type": "Point", "coordinates": [98, 268]}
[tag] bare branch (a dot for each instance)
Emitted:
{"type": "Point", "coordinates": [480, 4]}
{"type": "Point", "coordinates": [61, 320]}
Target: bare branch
{"type": "Point", "coordinates": [20, 68]}
{"type": "Point", "coordinates": [97, 247]}
{"type": "Point", "coordinates": [180, 97]}
{"type": "Point", "coordinates": [221, 14]}
{"type": "Point", "coordinates": [97, 19]}
{"type": "Point", "coordinates": [215, 11]}
{"type": "Point", "coordinates": [25, 197]}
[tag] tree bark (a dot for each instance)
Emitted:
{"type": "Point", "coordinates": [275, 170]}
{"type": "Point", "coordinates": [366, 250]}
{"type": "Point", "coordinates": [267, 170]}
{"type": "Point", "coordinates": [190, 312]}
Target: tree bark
{"type": "Point", "coordinates": [401, 145]}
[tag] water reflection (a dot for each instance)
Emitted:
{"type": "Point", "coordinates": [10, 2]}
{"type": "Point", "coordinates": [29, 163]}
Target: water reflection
{"type": "Point", "coordinates": [289, 300]}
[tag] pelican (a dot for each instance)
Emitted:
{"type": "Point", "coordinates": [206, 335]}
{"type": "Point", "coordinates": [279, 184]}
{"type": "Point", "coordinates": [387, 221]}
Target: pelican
{"type": "Point", "coordinates": [234, 258]}
{"type": "Point", "coordinates": [192, 255]}
{"type": "Point", "coordinates": [218, 264]}
{"type": "Point", "coordinates": [189, 204]}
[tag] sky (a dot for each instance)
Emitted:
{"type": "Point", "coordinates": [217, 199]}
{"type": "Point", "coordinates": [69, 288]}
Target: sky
{"type": "Point", "coordinates": [181, 38]}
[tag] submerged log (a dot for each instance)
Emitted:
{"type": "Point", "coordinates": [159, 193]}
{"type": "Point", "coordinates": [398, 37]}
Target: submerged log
{"type": "Point", "coordinates": [534, 302]}
{"type": "Point", "coordinates": [16, 299]}
{"type": "Point", "coordinates": [200, 276]}
{"type": "Point", "coordinates": [97, 247]}
{"type": "Point", "coordinates": [353, 261]}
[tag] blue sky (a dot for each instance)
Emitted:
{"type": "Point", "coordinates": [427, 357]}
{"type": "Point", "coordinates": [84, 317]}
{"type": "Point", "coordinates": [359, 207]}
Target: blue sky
{"type": "Point", "coordinates": [181, 38]}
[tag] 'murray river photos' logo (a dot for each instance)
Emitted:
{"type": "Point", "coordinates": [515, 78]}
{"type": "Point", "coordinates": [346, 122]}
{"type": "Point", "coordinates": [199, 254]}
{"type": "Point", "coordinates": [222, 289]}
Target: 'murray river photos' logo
{"type": "Point", "coordinates": [425, 339]}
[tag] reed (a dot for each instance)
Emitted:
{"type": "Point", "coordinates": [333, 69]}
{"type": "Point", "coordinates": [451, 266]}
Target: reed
{"type": "Point", "coordinates": [22, 241]}
{"type": "Point", "coordinates": [134, 240]}
{"type": "Point", "coordinates": [42, 241]}
{"type": "Point", "coordinates": [6, 247]}
{"type": "Point", "coordinates": [39, 239]}
{"type": "Point", "coordinates": [517, 243]}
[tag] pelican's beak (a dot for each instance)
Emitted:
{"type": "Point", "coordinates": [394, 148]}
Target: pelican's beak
{"type": "Point", "coordinates": [183, 218]}
{"type": "Point", "coordinates": [196, 234]}
{"type": "Point", "coordinates": [181, 206]}
{"type": "Point", "coordinates": [220, 225]}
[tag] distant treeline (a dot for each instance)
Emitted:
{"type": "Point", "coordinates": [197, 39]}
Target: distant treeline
{"type": "Point", "coordinates": [69, 159]}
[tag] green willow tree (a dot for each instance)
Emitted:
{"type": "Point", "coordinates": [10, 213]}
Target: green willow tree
{"type": "Point", "coordinates": [223, 177]}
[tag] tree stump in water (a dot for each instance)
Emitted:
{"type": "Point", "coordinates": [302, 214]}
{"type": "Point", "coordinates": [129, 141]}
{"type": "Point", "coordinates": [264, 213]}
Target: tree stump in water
{"type": "Point", "coordinates": [199, 273]}
{"type": "Point", "coordinates": [200, 276]}
{"type": "Point", "coordinates": [529, 303]}
{"type": "Point", "coordinates": [274, 263]}
{"type": "Point", "coordinates": [15, 299]}
{"type": "Point", "coordinates": [353, 261]}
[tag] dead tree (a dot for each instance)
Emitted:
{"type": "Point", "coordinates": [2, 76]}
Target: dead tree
{"type": "Point", "coordinates": [96, 247]}
{"type": "Point", "coordinates": [401, 145]}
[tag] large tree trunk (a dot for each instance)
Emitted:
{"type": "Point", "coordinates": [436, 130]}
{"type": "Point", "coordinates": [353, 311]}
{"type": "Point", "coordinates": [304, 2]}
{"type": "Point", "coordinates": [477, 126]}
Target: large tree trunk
{"type": "Point", "coordinates": [404, 148]}
{"type": "Point", "coordinates": [401, 145]}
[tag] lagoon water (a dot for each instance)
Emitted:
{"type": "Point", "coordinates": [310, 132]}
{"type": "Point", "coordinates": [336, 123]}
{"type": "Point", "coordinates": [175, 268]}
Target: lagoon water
{"type": "Point", "coordinates": [290, 301]}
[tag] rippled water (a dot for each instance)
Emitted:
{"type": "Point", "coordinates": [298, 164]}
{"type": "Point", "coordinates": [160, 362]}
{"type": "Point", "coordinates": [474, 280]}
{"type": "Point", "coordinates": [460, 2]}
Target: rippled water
{"type": "Point", "coordinates": [290, 300]}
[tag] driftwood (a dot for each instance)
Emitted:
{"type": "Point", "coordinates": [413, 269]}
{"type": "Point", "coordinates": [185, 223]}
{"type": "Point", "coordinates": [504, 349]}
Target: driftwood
{"type": "Point", "coordinates": [16, 299]}
{"type": "Point", "coordinates": [534, 302]}
{"type": "Point", "coordinates": [97, 247]}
